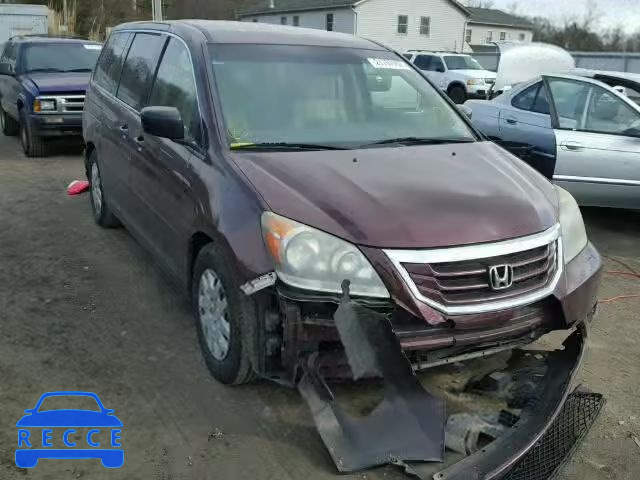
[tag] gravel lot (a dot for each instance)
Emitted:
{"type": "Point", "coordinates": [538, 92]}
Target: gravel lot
{"type": "Point", "coordinates": [85, 309]}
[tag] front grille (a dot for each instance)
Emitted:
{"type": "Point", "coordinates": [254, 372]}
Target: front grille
{"type": "Point", "coordinates": [544, 460]}
{"type": "Point", "coordinates": [468, 282]}
{"type": "Point", "coordinates": [72, 104]}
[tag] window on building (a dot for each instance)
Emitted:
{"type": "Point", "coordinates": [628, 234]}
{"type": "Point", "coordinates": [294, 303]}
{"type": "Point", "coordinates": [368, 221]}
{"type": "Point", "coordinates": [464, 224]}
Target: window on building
{"type": "Point", "coordinates": [296, 20]}
{"type": "Point", "coordinates": [329, 21]}
{"type": "Point", "coordinates": [467, 35]}
{"type": "Point", "coordinates": [403, 24]}
{"type": "Point", "coordinates": [489, 38]}
{"type": "Point", "coordinates": [503, 36]}
{"type": "Point", "coordinates": [521, 37]}
{"type": "Point", "coordinates": [425, 26]}
{"type": "Point", "coordinates": [283, 20]}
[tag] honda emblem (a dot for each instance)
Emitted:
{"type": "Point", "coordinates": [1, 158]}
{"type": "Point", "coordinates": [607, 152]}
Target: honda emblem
{"type": "Point", "coordinates": [500, 277]}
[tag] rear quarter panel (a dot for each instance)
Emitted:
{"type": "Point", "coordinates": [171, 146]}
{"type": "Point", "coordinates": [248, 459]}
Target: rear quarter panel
{"type": "Point", "coordinates": [486, 115]}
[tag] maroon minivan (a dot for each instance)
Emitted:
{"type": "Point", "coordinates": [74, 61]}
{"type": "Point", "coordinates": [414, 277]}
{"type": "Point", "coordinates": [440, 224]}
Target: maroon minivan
{"type": "Point", "coordinates": [262, 166]}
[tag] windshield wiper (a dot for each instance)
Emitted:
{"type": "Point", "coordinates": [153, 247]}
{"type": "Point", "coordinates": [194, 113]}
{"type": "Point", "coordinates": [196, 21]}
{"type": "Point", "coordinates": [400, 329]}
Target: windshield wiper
{"type": "Point", "coordinates": [283, 146]}
{"type": "Point", "coordinates": [78, 70]}
{"type": "Point", "coordinates": [418, 141]}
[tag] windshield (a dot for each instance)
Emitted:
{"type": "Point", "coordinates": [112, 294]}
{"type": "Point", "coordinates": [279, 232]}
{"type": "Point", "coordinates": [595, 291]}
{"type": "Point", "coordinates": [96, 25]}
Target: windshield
{"type": "Point", "coordinates": [327, 96]}
{"type": "Point", "coordinates": [462, 62]}
{"type": "Point", "coordinates": [61, 57]}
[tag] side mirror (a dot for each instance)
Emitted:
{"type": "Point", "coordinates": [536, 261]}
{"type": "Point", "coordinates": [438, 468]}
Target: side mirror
{"type": "Point", "coordinates": [5, 69]}
{"type": "Point", "coordinates": [466, 110]}
{"type": "Point", "coordinates": [165, 122]}
{"type": "Point", "coordinates": [621, 90]}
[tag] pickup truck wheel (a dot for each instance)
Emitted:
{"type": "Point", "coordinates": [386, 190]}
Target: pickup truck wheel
{"type": "Point", "coordinates": [102, 213]}
{"type": "Point", "coordinates": [458, 94]}
{"type": "Point", "coordinates": [9, 126]}
{"type": "Point", "coordinates": [224, 317]}
{"type": "Point", "coordinates": [32, 145]}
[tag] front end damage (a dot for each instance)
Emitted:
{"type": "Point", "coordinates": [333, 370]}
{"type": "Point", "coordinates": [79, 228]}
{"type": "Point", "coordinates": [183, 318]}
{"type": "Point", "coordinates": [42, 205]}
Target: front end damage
{"type": "Point", "coordinates": [475, 396]}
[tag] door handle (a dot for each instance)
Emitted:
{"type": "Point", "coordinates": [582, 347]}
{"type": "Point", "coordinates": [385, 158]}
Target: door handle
{"type": "Point", "coordinates": [124, 130]}
{"type": "Point", "coordinates": [139, 141]}
{"type": "Point", "coordinates": [573, 146]}
{"type": "Point", "coordinates": [511, 121]}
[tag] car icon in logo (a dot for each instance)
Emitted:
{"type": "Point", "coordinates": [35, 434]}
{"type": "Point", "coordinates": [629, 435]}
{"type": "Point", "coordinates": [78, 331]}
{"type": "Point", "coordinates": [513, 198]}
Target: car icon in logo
{"type": "Point", "coordinates": [43, 432]}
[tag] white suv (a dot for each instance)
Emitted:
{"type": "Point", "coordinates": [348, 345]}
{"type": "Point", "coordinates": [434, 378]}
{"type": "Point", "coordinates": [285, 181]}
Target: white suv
{"type": "Point", "coordinates": [461, 76]}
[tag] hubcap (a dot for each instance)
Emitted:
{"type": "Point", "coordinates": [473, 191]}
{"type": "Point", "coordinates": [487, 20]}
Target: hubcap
{"type": "Point", "coordinates": [213, 312]}
{"type": "Point", "coordinates": [96, 188]}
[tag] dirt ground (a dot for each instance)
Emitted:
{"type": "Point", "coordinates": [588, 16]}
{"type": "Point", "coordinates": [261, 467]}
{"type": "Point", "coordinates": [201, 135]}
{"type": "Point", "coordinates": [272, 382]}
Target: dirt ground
{"type": "Point", "coordinates": [85, 309]}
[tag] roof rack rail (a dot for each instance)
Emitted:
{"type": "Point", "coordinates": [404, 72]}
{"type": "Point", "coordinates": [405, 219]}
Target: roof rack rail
{"type": "Point", "coordinates": [418, 50]}
{"type": "Point", "coordinates": [47, 35]}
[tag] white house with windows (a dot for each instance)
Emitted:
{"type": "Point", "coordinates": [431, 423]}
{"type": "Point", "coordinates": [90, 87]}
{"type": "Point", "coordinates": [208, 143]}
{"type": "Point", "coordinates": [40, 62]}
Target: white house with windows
{"type": "Point", "coordinates": [400, 24]}
{"type": "Point", "coordinates": [487, 25]}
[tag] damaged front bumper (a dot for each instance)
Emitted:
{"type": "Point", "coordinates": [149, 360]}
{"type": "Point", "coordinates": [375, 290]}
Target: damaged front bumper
{"type": "Point", "coordinates": [407, 428]}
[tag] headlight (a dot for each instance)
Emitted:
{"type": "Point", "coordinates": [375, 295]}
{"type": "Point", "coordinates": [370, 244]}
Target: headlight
{"type": "Point", "coordinates": [313, 260]}
{"type": "Point", "coordinates": [40, 105]}
{"type": "Point", "coordinates": [574, 235]}
{"type": "Point", "coordinates": [475, 81]}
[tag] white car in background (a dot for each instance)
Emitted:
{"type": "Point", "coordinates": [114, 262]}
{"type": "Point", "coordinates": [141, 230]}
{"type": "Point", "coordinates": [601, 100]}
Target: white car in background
{"type": "Point", "coordinates": [460, 75]}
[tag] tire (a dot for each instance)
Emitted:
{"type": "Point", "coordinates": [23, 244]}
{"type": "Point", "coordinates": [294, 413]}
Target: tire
{"type": "Point", "coordinates": [32, 145]}
{"type": "Point", "coordinates": [9, 126]}
{"type": "Point", "coordinates": [228, 357]}
{"type": "Point", "coordinates": [457, 94]}
{"type": "Point", "coordinates": [102, 213]}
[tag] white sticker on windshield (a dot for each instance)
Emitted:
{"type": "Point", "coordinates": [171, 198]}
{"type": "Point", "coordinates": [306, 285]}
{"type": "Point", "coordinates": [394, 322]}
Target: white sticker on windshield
{"type": "Point", "coordinates": [92, 47]}
{"type": "Point", "coordinates": [388, 64]}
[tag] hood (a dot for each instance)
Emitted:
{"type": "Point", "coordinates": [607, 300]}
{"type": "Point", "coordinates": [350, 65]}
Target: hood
{"type": "Point", "coordinates": [520, 63]}
{"type": "Point", "coordinates": [476, 73]}
{"type": "Point", "coordinates": [408, 197]}
{"type": "Point", "coordinates": [48, 82]}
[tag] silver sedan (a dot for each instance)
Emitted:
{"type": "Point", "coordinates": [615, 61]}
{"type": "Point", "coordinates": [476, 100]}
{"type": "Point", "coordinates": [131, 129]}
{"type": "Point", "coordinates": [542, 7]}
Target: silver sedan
{"type": "Point", "coordinates": [581, 130]}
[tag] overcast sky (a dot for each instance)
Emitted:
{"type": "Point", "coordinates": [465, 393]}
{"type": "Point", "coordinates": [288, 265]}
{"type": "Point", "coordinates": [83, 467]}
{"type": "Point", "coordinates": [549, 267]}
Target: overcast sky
{"type": "Point", "coordinates": [612, 12]}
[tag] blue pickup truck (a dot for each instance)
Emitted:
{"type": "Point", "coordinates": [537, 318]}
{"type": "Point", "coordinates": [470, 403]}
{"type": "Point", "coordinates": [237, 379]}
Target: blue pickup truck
{"type": "Point", "coordinates": [43, 81]}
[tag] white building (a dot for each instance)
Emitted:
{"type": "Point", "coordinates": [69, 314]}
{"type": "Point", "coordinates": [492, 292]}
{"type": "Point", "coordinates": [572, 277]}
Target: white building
{"type": "Point", "coordinates": [400, 24]}
{"type": "Point", "coordinates": [487, 25]}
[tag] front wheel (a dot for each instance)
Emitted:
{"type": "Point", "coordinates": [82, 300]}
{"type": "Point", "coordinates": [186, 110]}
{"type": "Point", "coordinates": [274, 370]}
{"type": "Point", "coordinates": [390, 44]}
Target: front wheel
{"type": "Point", "coordinates": [32, 145]}
{"type": "Point", "coordinates": [458, 94]}
{"type": "Point", "coordinates": [225, 317]}
{"type": "Point", "coordinates": [9, 126]}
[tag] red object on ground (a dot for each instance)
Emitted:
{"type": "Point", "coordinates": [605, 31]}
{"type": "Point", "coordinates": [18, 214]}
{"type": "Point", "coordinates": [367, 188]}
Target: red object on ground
{"type": "Point", "coordinates": [77, 187]}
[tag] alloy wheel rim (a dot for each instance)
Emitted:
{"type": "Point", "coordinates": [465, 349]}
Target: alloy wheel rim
{"type": "Point", "coordinates": [213, 314]}
{"type": "Point", "coordinates": [96, 188]}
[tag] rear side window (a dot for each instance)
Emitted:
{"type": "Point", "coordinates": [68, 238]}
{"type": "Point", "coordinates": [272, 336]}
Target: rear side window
{"type": "Point", "coordinates": [109, 66]}
{"type": "Point", "coordinates": [139, 67]}
{"type": "Point", "coordinates": [175, 87]}
{"type": "Point", "coordinates": [423, 62]}
{"type": "Point", "coordinates": [525, 100]}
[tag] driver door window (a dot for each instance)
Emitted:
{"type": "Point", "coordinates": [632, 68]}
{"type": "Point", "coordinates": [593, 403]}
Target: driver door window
{"type": "Point", "coordinates": [175, 87]}
{"type": "Point", "coordinates": [569, 98]}
{"type": "Point", "coordinates": [606, 113]}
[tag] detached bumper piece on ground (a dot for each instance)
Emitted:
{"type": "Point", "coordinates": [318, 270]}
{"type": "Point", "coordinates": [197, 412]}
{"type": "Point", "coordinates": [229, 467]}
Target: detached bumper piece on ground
{"type": "Point", "coordinates": [524, 427]}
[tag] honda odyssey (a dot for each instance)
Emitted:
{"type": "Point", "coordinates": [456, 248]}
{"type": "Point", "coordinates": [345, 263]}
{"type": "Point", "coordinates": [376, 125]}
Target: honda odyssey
{"type": "Point", "coordinates": [264, 165]}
